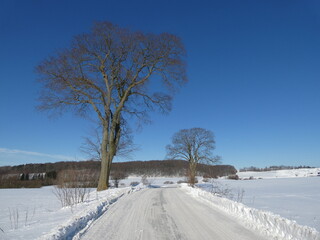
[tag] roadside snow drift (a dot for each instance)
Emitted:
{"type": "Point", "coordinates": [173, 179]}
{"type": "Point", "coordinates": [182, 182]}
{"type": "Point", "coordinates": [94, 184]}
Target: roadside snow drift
{"type": "Point", "coordinates": [271, 225]}
{"type": "Point", "coordinates": [75, 226]}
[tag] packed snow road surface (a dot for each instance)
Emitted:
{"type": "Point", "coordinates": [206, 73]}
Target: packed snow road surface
{"type": "Point", "coordinates": [165, 213]}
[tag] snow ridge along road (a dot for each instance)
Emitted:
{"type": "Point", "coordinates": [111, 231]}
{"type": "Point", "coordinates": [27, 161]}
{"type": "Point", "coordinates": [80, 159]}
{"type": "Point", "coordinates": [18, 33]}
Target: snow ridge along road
{"type": "Point", "coordinates": [166, 213]}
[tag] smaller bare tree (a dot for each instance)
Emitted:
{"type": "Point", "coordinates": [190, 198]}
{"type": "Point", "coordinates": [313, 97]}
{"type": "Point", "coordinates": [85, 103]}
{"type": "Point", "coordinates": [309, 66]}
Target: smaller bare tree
{"type": "Point", "coordinates": [194, 145]}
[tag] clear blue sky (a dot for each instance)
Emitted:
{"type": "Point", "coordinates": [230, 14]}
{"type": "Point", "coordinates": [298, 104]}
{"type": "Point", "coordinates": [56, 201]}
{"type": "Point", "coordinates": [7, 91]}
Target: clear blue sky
{"type": "Point", "coordinates": [253, 68]}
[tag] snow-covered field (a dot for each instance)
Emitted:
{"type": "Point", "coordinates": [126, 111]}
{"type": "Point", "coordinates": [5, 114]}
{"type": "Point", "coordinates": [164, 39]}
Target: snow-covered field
{"type": "Point", "coordinates": [293, 194]}
{"type": "Point", "coordinates": [293, 173]}
{"type": "Point", "coordinates": [31, 213]}
{"type": "Point", "coordinates": [36, 213]}
{"type": "Point", "coordinates": [272, 226]}
{"type": "Point", "coordinates": [24, 210]}
{"type": "Point", "coordinates": [296, 199]}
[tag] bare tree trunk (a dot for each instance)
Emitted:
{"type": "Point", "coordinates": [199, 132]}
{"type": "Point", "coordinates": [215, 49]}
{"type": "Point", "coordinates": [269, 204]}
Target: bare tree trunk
{"type": "Point", "coordinates": [192, 174]}
{"type": "Point", "coordinates": [103, 178]}
{"type": "Point", "coordinates": [109, 169]}
{"type": "Point", "coordinates": [105, 163]}
{"type": "Point", "coordinates": [106, 160]}
{"type": "Point", "coordinates": [108, 151]}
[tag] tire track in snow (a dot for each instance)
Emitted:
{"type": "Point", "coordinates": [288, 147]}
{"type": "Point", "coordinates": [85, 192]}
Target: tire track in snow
{"type": "Point", "coordinates": [165, 213]}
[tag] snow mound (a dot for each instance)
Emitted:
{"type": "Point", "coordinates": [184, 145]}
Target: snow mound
{"type": "Point", "coordinates": [268, 224]}
{"type": "Point", "coordinates": [74, 227]}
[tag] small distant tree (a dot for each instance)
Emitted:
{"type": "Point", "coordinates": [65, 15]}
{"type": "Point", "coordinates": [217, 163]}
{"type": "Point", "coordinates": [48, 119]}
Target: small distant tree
{"type": "Point", "coordinates": [194, 145]}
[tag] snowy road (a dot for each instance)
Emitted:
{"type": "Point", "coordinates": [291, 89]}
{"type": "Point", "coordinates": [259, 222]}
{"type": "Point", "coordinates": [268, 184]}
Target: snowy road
{"type": "Point", "coordinates": [165, 213]}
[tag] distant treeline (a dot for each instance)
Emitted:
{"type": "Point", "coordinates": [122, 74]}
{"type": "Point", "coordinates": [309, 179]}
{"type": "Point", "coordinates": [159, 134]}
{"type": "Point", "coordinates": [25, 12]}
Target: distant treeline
{"type": "Point", "coordinates": [36, 175]}
{"type": "Point", "coordinates": [139, 168]}
{"type": "Point", "coordinates": [271, 168]}
{"type": "Point", "coordinates": [171, 168]}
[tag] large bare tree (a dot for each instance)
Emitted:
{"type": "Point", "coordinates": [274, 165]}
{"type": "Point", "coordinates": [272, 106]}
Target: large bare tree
{"type": "Point", "coordinates": [117, 73]}
{"type": "Point", "coordinates": [194, 145]}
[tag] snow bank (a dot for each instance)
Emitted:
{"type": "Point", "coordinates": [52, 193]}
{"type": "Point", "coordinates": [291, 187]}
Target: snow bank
{"type": "Point", "coordinates": [296, 199]}
{"type": "Point", "coordinates": [271, 225]}
{"type": "Point", "coordinates": [74, 227]}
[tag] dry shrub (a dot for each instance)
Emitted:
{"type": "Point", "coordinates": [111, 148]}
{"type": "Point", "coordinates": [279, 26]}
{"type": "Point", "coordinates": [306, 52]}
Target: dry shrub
{"type": "Point", "coordinates": [73, 186]}
{"type": "Point", "coordinates": [168, 182]}
{"type": "Point", "coordinates": [233, 177]}
{"type": "Point", "coordinates": [144, 180]}
{"type": "Point", "coordinates": [19, 217]}
{"type": "Point", "coordinates": [210, 175]}
{"type": "Point", "coordinates": [182, 181]}
{"type": "Point", "coordinates": [221, 190]}
{"type": "Point", "coordinates": [205, 180]}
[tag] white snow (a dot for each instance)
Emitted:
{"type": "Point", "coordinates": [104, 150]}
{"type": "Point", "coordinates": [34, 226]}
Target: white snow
{"type": "Point", "coordinates": [296, 199]}
{"type": "Point", "coordinates": [270, 205]}
{"type": "Point", "coordinates": [293, 194]}
{"type": "Point", "coordinates": [37, 214]}
{"type": "Point", "coordinates": [292, 173]}
{"type": "Point", "coordinates": [166, 213]}
{"type": "Point", "coordinates": [271, 225]}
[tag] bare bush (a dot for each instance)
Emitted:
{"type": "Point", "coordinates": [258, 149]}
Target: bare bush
{"type": "Point", "coordinates": [182, 181]}
{"type": "Point", "coordinates": [14, 218]}
{"type": "Point", "coordinates": [221, 190]}
{"type": "Point", "coordinates": [240, 195]}
{"type": "Point", "coordinates": [144, 180]}
{"type": "Point", "coordinates": [168, 182]}
{"type": "Point", "coordinates": [233, 177]}
{"type": "Point", "coordinates": [73, 187]}
{"type": "Point", "coordinates": [18, 217]}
